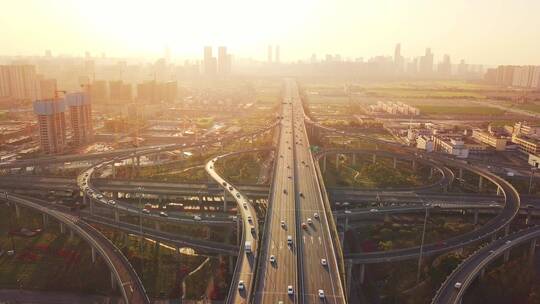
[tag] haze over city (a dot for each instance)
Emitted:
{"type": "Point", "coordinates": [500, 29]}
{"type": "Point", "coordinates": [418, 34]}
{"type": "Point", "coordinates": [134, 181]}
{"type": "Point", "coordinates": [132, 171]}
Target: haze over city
{"type": "Point", "coordinates": [483, 32]}
{"type": "Point", "coordinates": [289, 152]}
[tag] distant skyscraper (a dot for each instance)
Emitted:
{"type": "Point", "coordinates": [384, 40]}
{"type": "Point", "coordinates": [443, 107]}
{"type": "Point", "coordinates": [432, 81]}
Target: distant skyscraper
{"type": "Point", "coordinates": [398, 59]}
{"type": "Point", "coordinates": [223, 61]}
{"type": "Point", "coordinates": [277, 54]}
{"type": "Point", "coordinates": [209, 62]}
{"type": "Point", "coordinates": [51, 124]}
{"type": "Point", "coordinates": [445, 67]}
{"type": "Point", "coordinates": [426, 62]}
{"type": "Point", "coordinates": [269, 55]}
{"type": "Point", "coordinates": [80, 112]}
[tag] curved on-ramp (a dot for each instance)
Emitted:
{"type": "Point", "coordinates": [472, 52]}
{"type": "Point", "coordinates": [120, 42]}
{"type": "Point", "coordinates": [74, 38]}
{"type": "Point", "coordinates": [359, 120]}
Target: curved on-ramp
{"type": "Point", "coordinates": [127, 279]}
{"type": "Point", "coordinates": [469, 269]}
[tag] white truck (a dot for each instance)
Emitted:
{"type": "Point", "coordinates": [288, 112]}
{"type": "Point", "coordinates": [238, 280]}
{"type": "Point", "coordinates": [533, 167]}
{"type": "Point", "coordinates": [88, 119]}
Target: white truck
{"type": "Point", "coordinates": [247, 247]}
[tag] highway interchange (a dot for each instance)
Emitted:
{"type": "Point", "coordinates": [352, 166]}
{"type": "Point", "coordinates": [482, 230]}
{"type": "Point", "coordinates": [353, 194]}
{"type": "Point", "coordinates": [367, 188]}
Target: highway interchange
{"type": "Point", "coordinates": [294, 258]}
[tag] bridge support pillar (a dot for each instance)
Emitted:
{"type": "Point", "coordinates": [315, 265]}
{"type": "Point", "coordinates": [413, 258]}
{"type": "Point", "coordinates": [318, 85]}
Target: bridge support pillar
{"type": "Point", "coordinates": [374, 158]}
{"type": "Point", "coordinates": [70, 234]}
{"type": "Point", "coordinates": [348, 266]}
{"type": "Point", "coordinates": [346, 227]}
{"type": "Point", "coordinates": [238, 228]}
{"type": "Point", "coordinates": [532, 249]}
{"type": "Point", "coordinates": [115, 194]}
{"type": "Point", "coordinates": [362, 273]}
{"type": "Point", "coordinates": [506, 256]}
{"type": "Point", "coordinates": [354, 159]}
{"type": "Point", "coordinates": [324, 164]}
{"type": "Point", "coordinates": [337, 161]}
{"type": "Point", "coordinates": [475, 217]}
{"type": "Point", "coordinates": [480, 184]}
{"type": "Point", "coordinates": [430, 172]}
{"type": "Point", "coordinates": [395, 162]}
{"type": "Point", "coordinates": [482, 273]}
{"type": "Point", "coordinates": [45, 220]}
{"type": "Point", "coordinates": [113, 281]}
{"type": "Point", "coordinates": [93, 254]}
{"type": "Point", "coordinates": [62, 228]}
{"type": "Point", "coordinates": [113, 169]}
{"type": "Point", "coordinates": [91, 202]}
{"type": "Point", "coordinates": [493, 237]}
{"type": "Point", "coordinates": [17, 211]}
{"type": "Point", "coordinates": [231, 264]}
{"type": "Point", "coordinates": [499, 192]}
{"type": "Point", "coordinates": [528, 217]}
{"type": "Point", "coordinates": [506, 230]}
{"type": "Point", "coordinates": [460, 174]}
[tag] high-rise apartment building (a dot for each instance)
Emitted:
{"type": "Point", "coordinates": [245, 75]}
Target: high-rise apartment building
{"type": "Point", "coordinates": [19, 82]}
{"type": "Point", "coordinates": [210, 62]}
{"type": "Point", "coordinates": [51, 124]}
{"type": "Point", "coordinates": [398, 59]}
{"type": "Point", "coordinates": [426, 62]}
{"type": "Point", "coordinates": [445, 67]}
{"type": "Point", "coordinates": [80, 112]}
{"type": "Point", "coordinates": [277, 54]}
{"type": "Point", "coordinates": [223, 61]}
{"type": "Point", "coordinates": [269, 55]}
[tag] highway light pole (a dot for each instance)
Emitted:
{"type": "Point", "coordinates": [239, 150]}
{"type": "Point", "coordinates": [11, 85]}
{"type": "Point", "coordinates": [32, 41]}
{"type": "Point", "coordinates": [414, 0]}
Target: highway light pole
{"type": "Point", "coordinates": [141, 231]}
{"type": "Point", "coordinates": [422, 245]}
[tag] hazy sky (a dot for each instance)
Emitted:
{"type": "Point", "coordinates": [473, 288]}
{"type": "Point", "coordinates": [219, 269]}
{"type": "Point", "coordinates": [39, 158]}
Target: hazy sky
{"type": "Point", "coordinates": [480, 31]}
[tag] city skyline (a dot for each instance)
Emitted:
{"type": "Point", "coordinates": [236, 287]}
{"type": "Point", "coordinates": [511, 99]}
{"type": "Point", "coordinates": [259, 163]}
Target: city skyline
{"type": "Point", "coordinates": [464, 30]}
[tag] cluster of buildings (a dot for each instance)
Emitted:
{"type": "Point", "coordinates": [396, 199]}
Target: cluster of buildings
{"type": "Point", "coordinates": [526, 76]}
{"type": "Point", "coordinates": [216, 66]}
{"type": "Point", "coordinates": [146, 92]}
{"type": "Point", "coordinates": [22, 83]}
{"type": "Point", "coordinates": [51, 120]}
{"type": "Point", "coordinates": [522, 136]}
{"type": "Point", "coordinates": [394, 108]}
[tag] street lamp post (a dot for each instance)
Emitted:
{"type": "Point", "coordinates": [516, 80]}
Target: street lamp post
{"type": "Point", "coordinates": [422, 245]}
{"type": "Point", "coordinates": [141, 230]}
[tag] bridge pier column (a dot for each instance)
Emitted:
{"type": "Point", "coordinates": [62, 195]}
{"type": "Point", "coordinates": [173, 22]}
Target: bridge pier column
{"type": "Point", "coordinates": [430, 172]}
{"type": "Point", "coordinates": [91, 203]}
{"type": "Point", "coordinates": [70, 234]}
{"type": "Point", "coordinates": [528, 217]}
{"type": "Point", "coordinates": [62, 228]}
{"type": "Point", "coordinates": [354, 159]}
{"type": "Point", "coordinates": [506, 256]}
{"type": "Point", "coordinates": [115, 194]}
{"type": "Point", "coordinates": [374, 158]}
{"type": "Point", "coordinates": [475, 217]}
{"type": "Point", "coordinates": [499, 192]}
{"type": "Point", "coordinates": [493, 237]}
{"type": "Point", "coordinates": [132, 167]}
{"type": "Point", "coordinates": [324, 164]}
{"type": "Point", "coordinates": [113, 281]}
{"type": "Point", "coordinates": [337, 161]}
{"type": "Point", "coordinates": [17, 211]}
{"type": "Point", "coordinates": [113, 169]}
{"type": "Point", "coordinates": [506, 230]}
{"type": "Point", "coordinates": [482, 273]}
{"type": "Point", "coordinates": [532, 249]}
{"type": "Point", "coordinates": [395, 162]}
{"type": "Point", "coordinates": [45, 220]}
{"type": "Point", "coordinates": [348, 266]}
{"type": "Point", "coordinates": [231, 264]}
{"type": "Point", "coordinates": [238, 228]}
{"type": "Point", "coordinates": [480, 184]}
{"type": "Point", "coordinates": [93, 254]}
{"type": "Point", "coordinates": [362, 273]}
